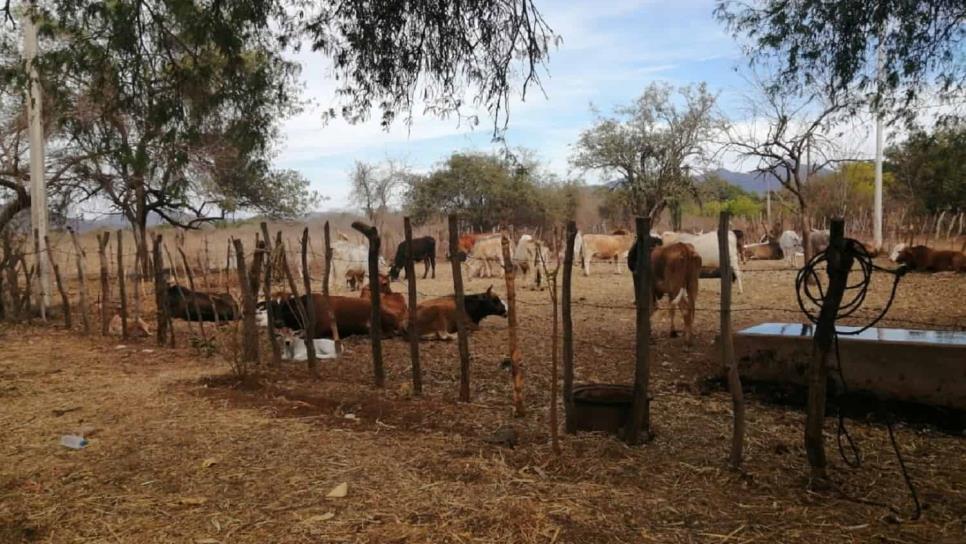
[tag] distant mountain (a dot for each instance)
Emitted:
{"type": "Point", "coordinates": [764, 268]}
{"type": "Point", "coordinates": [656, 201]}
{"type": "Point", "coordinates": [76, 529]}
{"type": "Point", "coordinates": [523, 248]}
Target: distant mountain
{"type": "Point", "coordinates": [751, 182]}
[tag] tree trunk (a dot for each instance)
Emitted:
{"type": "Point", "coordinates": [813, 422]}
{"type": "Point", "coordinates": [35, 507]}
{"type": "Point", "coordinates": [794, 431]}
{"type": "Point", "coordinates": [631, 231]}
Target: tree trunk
{"type": "Point", "coordinates": [727, 345]}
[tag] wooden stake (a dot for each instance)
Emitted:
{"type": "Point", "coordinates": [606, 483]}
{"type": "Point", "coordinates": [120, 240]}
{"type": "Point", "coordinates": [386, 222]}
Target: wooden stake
{"type": "Point", "coordinates": [267, 292]}
{"type": "Point", "coordinates": [160, 293]}
{"type": "Point", "coordinates": [568, 329]}
{"type": "Point", "coordinates": [249, 329]}
{"type": "Point", "coordinates": [65, 300]}
{"type": "Point", "coordinates": [121, 292]}
{"type": "Point", "coordinates": [313, 363]}
{"type": "Point", "coordinates": [839, 264]}
{"type": "Point", "coordinates": [375, 321]}
{"type": "Point", "coordinates": [640, 410]}
{"type": "Point", "coordinates": [325, 289]}
{"type": "Point", "coordinates": [551, 276]}
{"type": "Point", "coordinates": [102, 241]}
{"type": "Point", "coordinates": [191, 285]}
{"type": "Point", "coordinates": [456, 258]}
{"type": "Point", "coordinates": [516, 365]}
{"type": "Point", "coordinates": [413, 333]}
{"type": "Point", "coordinates": [82, 281]}
{"type": "Point", "coordinates": [727, 344]}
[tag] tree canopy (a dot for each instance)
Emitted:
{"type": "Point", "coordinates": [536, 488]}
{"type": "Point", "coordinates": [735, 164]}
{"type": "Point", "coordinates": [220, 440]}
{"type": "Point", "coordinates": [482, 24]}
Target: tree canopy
{"type": "Point", "coordinates": [833, 44]}
{"type": "Point", "coordinates": [652, 145]}
{"type": "Point", "coordinates": [928, 168]}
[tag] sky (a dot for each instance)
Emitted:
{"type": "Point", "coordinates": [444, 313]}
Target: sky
{"type": "Point", "coordinates": [610, 52]}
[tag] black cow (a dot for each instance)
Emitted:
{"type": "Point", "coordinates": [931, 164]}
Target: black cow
{"type": "Point", "coordinates": [424, 249]}
{"type": "Point", "coordinates": [182, 303]}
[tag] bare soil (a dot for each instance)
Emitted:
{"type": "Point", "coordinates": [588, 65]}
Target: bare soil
{"type": "Point", "coordinates": [182, 451]}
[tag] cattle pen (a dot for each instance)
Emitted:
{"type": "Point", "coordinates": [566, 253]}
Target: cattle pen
{"type": "Point", "coordinates": [176, 435]}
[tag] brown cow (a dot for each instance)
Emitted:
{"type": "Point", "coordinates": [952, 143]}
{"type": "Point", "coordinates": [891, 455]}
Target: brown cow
{"type": "Point", "coordinates": [926, 259]}
{"type": "Point", "coordinates": [394, 303]}
{"type": "Point", "coordinates": [610, 247]}
{"type": "Point", "coordinates": [351, 314]}
{"type": "Point", "coordinates": [764, 251]}
{"type": "Point", "coordinates": [675, 269]}
{"type": "Point", "coordinates": [438, 316]}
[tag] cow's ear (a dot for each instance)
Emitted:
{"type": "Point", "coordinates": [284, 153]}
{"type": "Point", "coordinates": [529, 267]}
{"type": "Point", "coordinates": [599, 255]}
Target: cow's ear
{"type": "Point", "coordinates": [489, 290]}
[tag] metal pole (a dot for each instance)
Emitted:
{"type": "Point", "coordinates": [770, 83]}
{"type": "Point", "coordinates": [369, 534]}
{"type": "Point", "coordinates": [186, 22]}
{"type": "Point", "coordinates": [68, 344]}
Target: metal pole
{"type": "Point", "coordinates": [877, 225]}
{"type": "Point", "coordinates": [38, 186]}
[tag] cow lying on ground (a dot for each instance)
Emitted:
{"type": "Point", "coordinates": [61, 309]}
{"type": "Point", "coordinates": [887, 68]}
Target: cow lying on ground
{"type": "Point", "coordinates": [394, 303]}
{"type": "Point", "coordinates": [609, 247]}
{"type": "Point", "coordinates": [424, 250]}
{"type": "Point", "coordinates": [675, 269]}
{"type": "Point", "coordinates": [764, 251]}
{"type": "Point", "coordinates": [926, 259]}
{"type": "Point", "coordinates": [136, 328]}
{"type": "Point", "coordinates": [707, 247]}
{"type": "Point", "coordinates": [438, 316]}
{"type": "Point", "coordinates": [294, 349]}
{"type": "Point", "coordinates": [182, 303]}
{"type": "Point", "coordinates": [352, 315]}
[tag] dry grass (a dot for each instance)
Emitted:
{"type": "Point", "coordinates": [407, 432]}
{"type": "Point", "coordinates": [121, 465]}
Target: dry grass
{"type": "Point", "coordinates": [181, 452]}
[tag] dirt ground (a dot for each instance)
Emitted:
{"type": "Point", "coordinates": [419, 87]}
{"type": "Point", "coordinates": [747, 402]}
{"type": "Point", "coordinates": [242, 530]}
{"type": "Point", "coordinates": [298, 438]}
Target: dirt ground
{"type": "Point", "coordinates": [180, 451]}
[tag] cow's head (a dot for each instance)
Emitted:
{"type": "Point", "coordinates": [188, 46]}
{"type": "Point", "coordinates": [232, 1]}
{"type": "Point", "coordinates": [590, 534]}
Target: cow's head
{"type": "Point", "coordinates": [484, 304]}
{"type": "Point", "coordinates": [906, 256]}
{"type": "Point", "coordinates": [894, 255]}
{"type": "Point", "coordinates": [393, 273]}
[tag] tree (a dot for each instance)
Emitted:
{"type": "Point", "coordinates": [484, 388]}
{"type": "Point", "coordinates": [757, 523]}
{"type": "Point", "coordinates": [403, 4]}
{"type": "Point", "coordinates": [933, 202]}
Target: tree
{"type": "Point", "coordinates": [834, 44]}
{"type": "Point", "coordinates": [652, 145]}
{"type": "Point", "coordinates": [849, 189]}
{"type": "Point", "coordinates": [375, 187]}
{"type": "Point", "coordinates": [488, 191]}
{"type": "Point", "coordinates": [928, 168]}
{"type": "Point", "coordinates": [716, 195]}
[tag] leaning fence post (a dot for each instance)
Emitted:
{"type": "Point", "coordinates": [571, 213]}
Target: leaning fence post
{"type": "Point", "coordinates": [516, 365]}
{"type": "Point", "coordinates": [640, 409]}
{"type": "Point", "coordinates": [102, 241]}
{"type": "Point", "coordinates": [375, 321]}
{"type": "Point", "coordinates": [313, 363]}
{"type": "Point", "coordinates": [249, 329]}
{"type": "Point", "coordinates": [82, 281]}
{"type": "Point", "coordinates": [727, 343]}
{"type": "Point", "coordinates": [160, 292]}
{"type": "Point", "coordinates": [839, 264]}
{"type": "Point", "coordinates": [325, 289]}
{"type": "Point", "coordinates": [267, 290]}
{"type": "Point", "coordinates": [121, 292]}
{"type": "Point", "coordinates": [568, 329]}
{"type": "Point", "coordinates": [456, 258]}
{"type": "Point", "coordinates": [65, 300]}
{"type": "Point", "coordinates": [413, 333]}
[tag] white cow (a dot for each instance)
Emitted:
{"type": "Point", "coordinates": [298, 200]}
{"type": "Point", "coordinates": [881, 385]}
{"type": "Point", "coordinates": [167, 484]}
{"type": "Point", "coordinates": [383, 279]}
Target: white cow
{"type": "Point", "coordinates": [791, 243]}
{"type": "Point", "coordinates": [485, 260]}
{"type": "Point", "coordinates": [351, 261]}
{"type": "Point", "coordinates": [707, 247]}
{"type": "Point", "coordinates": [526, 257]}
{"type": "Point", "coordinates": [294, 349]}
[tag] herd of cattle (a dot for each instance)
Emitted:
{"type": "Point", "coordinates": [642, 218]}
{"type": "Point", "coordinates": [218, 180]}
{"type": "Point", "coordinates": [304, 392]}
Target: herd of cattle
{"type": "Point", "coordinates": [678, 260]}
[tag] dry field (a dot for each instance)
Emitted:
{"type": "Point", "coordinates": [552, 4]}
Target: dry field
{"type": "Point", "coordinates": [182, 452]}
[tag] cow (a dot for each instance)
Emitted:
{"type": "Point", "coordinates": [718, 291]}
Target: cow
{"type": "Point", "coordinates": [528, 255]}
{"type": "Point", "coordinates": [927, 259]}
{"type": "Point", "coordinates": [610, 247]}
{"type": "Point", "coordinates": [136, 328]}
{"type": "Point", "coordinates": [675, 269]}
{"type": "Point", "coordinates": [896, 250]}
{"type": "Point", "coordinates": [352, 315]}
{"type": "Point", "coordinates": [486, 257]}
{"type": "Point", "coordinates": [294, 348]}
{"type": "Point", "coordinates": [352, 261]}
{"type": "Point", "coordinates": [764, 251]}
{"type": "Point", "coordinates": [707, 247]}
{"type": "Point", "coordinates": [438, 316]}
{"type": "Point", "coordinates": [790, 243]}
{"type": "Point", "coordinates": [819, 240]}
{"type": "Point", "coordinates": [394, 303]}
{"type": "Point", "coordinates": [467, 241]}
{"type": "Point", "coordinates": [183, 303]}
{"type": "Point", "coordinates": [424, 250]}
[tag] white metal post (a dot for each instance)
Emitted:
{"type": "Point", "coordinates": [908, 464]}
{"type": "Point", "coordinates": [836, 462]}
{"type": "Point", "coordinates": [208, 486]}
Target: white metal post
{"type": "Point", "coordinates": [877, 205]}
{"type": "Point", "coordinates": [38, 185]}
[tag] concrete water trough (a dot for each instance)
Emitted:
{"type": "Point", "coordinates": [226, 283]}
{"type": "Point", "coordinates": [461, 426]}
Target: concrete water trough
{"type": "Point", "coordinates": [918, 366]}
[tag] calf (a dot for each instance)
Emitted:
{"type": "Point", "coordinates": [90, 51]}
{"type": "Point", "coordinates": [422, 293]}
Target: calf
{"type": "Point", "coordinates": [352, 315]}
{"type": "Point", "coordinates": [183, 303]}
{"type": "Point", "coordinates": [675, 269]}
{"type": "Point", "coordinates": [926, 259]}
{"type": "Point", "coordinates": [351, 260]}
{"type": "Point", "coordinates": [424, 250]}
{"type": "Point", "coordinates": [438, 316]}
{"type": "Point", "coordinates": [294, 348]}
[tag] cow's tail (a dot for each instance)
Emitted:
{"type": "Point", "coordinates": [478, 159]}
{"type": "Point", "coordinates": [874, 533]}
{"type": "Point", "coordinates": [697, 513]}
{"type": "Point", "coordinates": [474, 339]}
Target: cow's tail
{"type": "Point", "coordinates": [682, 296]}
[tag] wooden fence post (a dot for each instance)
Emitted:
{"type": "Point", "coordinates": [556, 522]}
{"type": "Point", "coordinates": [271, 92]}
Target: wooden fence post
{"type": "Point", "coordinates": [160, 292]}
{"type": "Point", "coordinates": [267, 291]}
{"type": "Point", "coordinates": [568, 328]}
{"type": "Point", "coordinates": [82, 281]}
{"type": "Point", "coordinates": [554, 382]}
{"type": "Point", "coordinates": [727, 343]}
{"type": "Point", "coordinates": [375, 322]}
{"type": "Point", "coordinates": [516, 365]}
{"type": "Point", "coordinates": [249, 329]}
{"type": "Point", "coordinates": [40, 287]}
{"type": "Point", "coordinates": [413, 333]}
{"type": "Point", "coordinates": [313, 363]}
{"type": "Point", "coordinates": [64, 299]}
{"type": "Point", "coordinates": [839, 264]}
{"type": "Point", "coordinates": [325, 288]}
{"type": "Point", "coordinates": [640, 410]}
{"type": "Point", "coordinates": [456, 259]}
{"type": "Point", "coordinates": [191, 285]}
{"type": "Point", "coordinates": [121, 289]}
{"type": "Point", "coordinates": [102, 241]}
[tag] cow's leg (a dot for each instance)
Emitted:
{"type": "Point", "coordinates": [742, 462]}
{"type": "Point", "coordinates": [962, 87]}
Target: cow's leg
{"type": "Point", "coordinates": [586, 261]}
{"type": "Point", "coordinates": [432, 261]}
{"type": "Point", "coordinates": [425, 268]}
{"type": "Point", "coordinates": [737, 273]}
